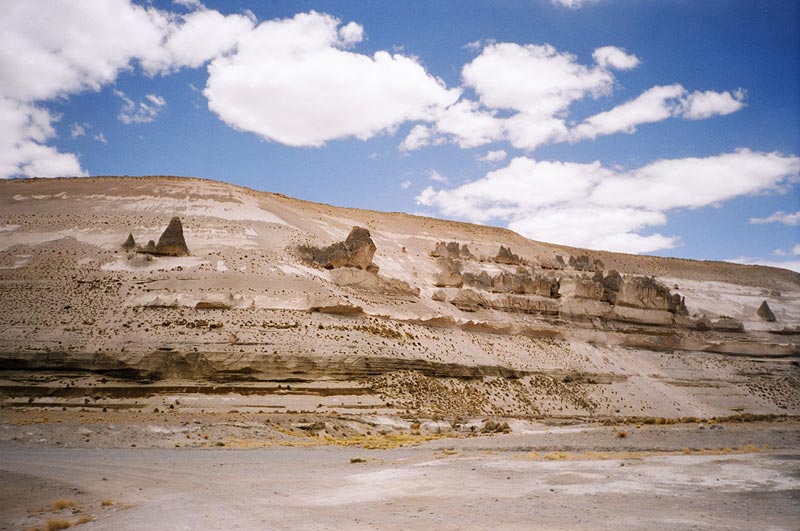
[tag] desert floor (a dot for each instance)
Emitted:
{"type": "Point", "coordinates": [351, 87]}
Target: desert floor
{"type": "Point", "coordinates": [555, 475]}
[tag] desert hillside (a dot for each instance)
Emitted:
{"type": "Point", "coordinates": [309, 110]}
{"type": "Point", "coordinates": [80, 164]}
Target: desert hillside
{"type": "Point", "coordinates": [281, 304]}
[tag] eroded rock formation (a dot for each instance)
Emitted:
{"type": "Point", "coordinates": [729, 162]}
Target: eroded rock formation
{"type": "Point", "coordinates": [452, 250]}
{"type": "Point", "coordinates": [356, 251]}
{"type": "Point", "coordinates": [631, 291]}
{"type": "Point", "coordinates": [450, 275]}
{"type": "Point", "coordinates": [130, 243]}
{"type": "Point", "coordinates": [765, 312]}
{"type": "Point", "coordinates": [584, 262]}
{"type": "Point", "coordinates": [172, 242]}
{"type": "Point", "coordinates": [505, 256]}
{"type": "Point", "coordinates": [522, 282]}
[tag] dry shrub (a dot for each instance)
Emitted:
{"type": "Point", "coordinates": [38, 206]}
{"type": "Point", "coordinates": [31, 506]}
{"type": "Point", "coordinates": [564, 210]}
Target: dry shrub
{"type": "Point", "coordinates": [62, 503]}
{"type": "Point", "coordinates": [107, 502]}
{"type": "Point", "coordinates": [54, 524]}
{"type": "Point", "coordinates": [622, 434]}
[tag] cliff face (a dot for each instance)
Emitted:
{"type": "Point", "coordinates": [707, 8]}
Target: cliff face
{"type": "Point", "coordinates": [389, 308]}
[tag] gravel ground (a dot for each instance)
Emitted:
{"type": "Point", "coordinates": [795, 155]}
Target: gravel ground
{"type": "Point", "coordinates": [583, 476]}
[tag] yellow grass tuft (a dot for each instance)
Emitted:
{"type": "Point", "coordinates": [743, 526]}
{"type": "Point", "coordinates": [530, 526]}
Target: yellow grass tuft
{"type": "Point", "coordinates": [62, 503]}
{"type": "Point", "coordinates": [54, 524]}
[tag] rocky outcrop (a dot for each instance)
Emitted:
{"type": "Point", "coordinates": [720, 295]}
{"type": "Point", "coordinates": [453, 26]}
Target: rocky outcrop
{"type": "Point", "coordinates": [521, 283]}
{"type": "Point", "coordinates": [452, 250]}
{"type": "Point", "coordinates": [727, 324]}
{"type": "Point", "coordinates": [555, 263]}
{"type": "Point", "coordinates": [450, 275]}
{"type": "Point", "coordinates": [365, 280]}
{"type": "Point", "coordinates": [469, 300]}
{"type": "Point", "coordinates": [172, 242]}
{"type": "Point", "coordinates": [130, 244]}
{"type": "Point", "coordinates": [765, 312]}
{"type": "Point", "coordinates": [584, 262]}
{"type": "Point", "coordinates": [356, 251]}
{"type": "Point", "coordinates": [599, 287]}
{"type": "Point", "coordinates": [505, 256]}
{"type": "Point", "coordinates": [150, 248]}
{"type": "Point", "coordinates": [647, 292]}
{"type": "Point", "coordinates": [631, 291]}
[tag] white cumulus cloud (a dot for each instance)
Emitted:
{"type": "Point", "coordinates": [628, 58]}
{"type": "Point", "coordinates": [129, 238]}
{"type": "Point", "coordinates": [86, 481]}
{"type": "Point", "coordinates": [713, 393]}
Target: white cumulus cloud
{"type": "Point", "coordinates": [292, 81]}
{"type": "Point", "coordinates": [613, 57]}
{"type": "Point", "coordinates": [70, 47]}
{"type": "Point", "coordinates": [700, 105]}
{"type": "Point", "coordinates": [589, 205]}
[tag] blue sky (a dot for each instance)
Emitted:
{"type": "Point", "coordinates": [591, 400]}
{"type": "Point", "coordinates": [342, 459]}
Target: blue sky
{"type": "Point", "coordinates": [667, 127]}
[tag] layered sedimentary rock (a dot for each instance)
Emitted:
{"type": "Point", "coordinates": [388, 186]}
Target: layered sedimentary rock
{"type": "Point", "coordinates": [246, 307]}
{"type": "Point", "coordinates": [521, 282]}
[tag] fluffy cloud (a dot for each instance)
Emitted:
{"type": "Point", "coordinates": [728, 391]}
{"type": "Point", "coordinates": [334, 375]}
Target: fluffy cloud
{"type": "Point", "coordinates": [534, 87]}
{"type": "Point", "coordinates": [657, 104]}
{"type": "Point", "coordinates": [292, 81]}
{"type": "Point", "coordinates": [79, 46]}
{"type": "Point", "coordinates": [613, 57]}
{"type": "Point", "coordinates": [196, 38]}
{"type": "Point", "coordinates": [419, 136]}
{"type": "Point", "coordinates": [697, 182]}
{"type": "Point", "coordinates": [469, 126]}
{"type": "Point", "coordinates": [790, 218]}
{"type": "Point", "coordinates": [24, 130]}
{"type": "Point", "coordinates": [589, 205]}
{"type": "Point", "coordinates": [654, 105]}
{"type": "Point", "coordinates": [536, 80]}
{"type": "Point", "coordinates": [700, 105]}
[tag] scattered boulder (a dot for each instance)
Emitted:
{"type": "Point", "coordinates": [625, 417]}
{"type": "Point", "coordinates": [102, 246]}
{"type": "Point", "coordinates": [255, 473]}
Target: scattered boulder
{"type": "Point", "coordinates": [172, 242]}
{"type": "Point", "coordinates": [505, 256]}
{"type": "Point", "coordinates": [765, 312]}
{"type": "Point", "coordinates": [130, 244]}
{"type": "Point", "coordinates": [356, 251]}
